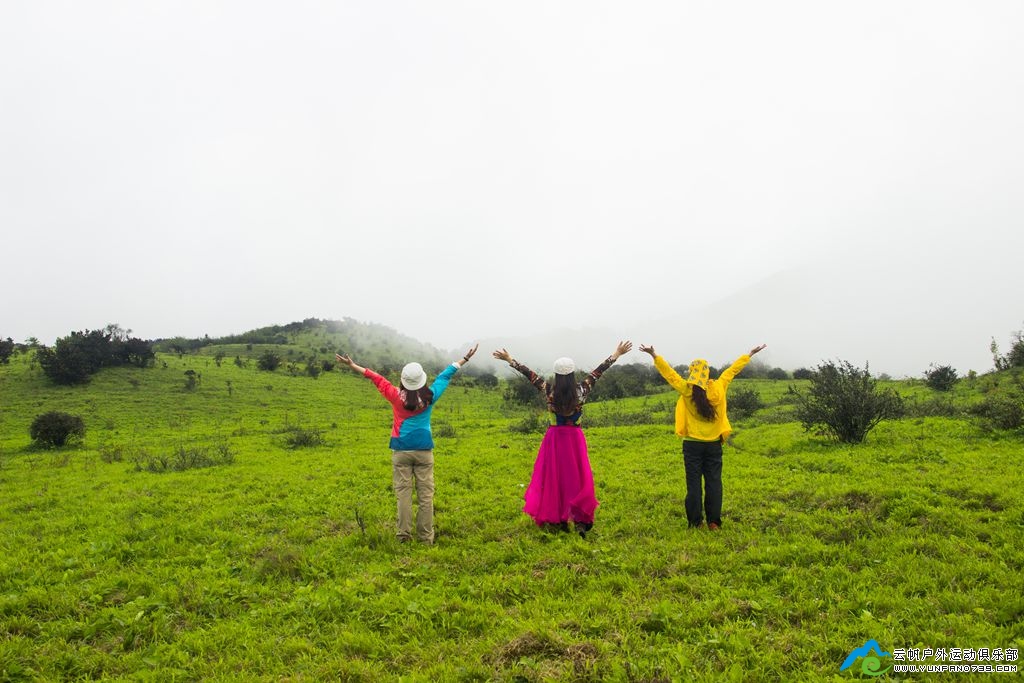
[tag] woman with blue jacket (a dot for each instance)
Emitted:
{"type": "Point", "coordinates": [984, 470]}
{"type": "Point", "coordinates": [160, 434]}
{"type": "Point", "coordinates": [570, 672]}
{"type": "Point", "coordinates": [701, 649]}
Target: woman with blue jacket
{"type": "Point", "coordinates": [412, 443]}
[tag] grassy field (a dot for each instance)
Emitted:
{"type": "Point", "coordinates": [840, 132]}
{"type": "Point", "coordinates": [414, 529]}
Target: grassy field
{"type": "Point", "coordinates": [281, 564]}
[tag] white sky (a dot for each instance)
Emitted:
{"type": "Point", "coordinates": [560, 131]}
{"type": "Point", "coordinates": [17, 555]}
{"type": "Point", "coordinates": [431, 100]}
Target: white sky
{"type": "Point", "coordinates": [466, 170]}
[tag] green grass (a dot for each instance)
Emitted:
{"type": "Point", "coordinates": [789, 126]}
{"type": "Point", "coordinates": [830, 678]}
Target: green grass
{"type": "Point", "coordinates": [283, 565]}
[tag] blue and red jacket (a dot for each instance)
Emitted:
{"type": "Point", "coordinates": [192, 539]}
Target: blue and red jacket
{"type": "Point", "coordinates": [411, 428]}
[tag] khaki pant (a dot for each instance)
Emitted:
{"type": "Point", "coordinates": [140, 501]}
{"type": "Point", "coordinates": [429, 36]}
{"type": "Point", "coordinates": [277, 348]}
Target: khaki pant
{"type": "Point", "coordinates": [407, 467]}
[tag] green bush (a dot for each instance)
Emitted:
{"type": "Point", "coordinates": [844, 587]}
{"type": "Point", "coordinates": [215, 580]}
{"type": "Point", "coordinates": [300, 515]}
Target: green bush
{"type": "Point", "coordinates": [1001, 410]}
{"type": "Point", "coordinates": [519, 391]}
{"type": "Point", "coordinates": [73, 359]}
{"type": "Point", "coordinates": [55, 429]}
{"type": "Point", "coordinates": [443, 429]}
{"type": "Point", "coordinates": [304, 437]}
{"type": "Point", "coordinates": [269, 361]}
{"type": "Point", "coordinates": [941, 377]}
{"type": "Point", "coordinates": [843, 402]}
{"type": "Point", "coordinates": [6, 349]}
{"type": "Point", "coordinates": [933, 406]}
{"type": "Point", "coordinates": [744, 401]}
{"type": "Point", "coordinates": [530, 424]}
{"type": "Point", "coordinates": [1014, 358]}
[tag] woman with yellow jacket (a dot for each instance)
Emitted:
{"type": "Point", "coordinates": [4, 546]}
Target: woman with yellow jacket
{"type": "Point", "coordinates": [703, 422]}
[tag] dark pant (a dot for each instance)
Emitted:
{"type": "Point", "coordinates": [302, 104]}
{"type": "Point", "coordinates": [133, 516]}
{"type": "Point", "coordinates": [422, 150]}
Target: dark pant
{"type": "Point", "coordinates": [703, 460]}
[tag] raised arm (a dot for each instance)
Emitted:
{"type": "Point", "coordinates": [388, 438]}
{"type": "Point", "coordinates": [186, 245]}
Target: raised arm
{"type": "Point", "coordinates": [730, 373]}
{"type": "Point", "coordinates": [666, 370]}
{"type": "Point", "coordinates": [441, 382]}
{"type": "Point", "coordinates": [469, 354]}
{"type": "Point", "coordinates": [386, 388]}
{"type": "Point", "coordinates": [588, 382]}
{"type": "Point", "coordinates": [346, 360]}
{"type": "Point", "coordinates": [536, 380]}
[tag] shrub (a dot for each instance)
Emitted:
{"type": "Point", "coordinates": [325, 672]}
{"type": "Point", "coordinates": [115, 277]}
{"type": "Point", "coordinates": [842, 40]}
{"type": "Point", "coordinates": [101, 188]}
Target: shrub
{"type": "Point", "coordinates": [941, 377]}
{"type": "Point", "coordinates": [521, 392]}
{"type": "Point", "coordinates": [112, 452]}
{"type": "Point", "coordinates": [6, 349]}
{"type": "Point", "coordinates": [933, 406]}
{"type": "Point", "coordinates": [487, 380]}
{"type": "Point", "coordinates": [744, 401]}
{"type": "Point", "coordinates": [269, 361]}
{"type": "Point", "coordinates": [443, 430]}
{"type": "Point", "coordinates": [55, 429]}
{"type": "Point", "coordinates": [1001, 410]}
{"type": "Point", "coordinates": [530, 424]}
{"type": "Point", "coordinates": [1014, 358]}
{"type": "Point", "coordinates": [844, 402]}
{"type": "Point", "coordinates": [184, 458]}
{"type": "Point", "coordinates": [73, 359]}
{"type": "Point", "coordinates": [304, 437]}
{"type": "Point", "coordinates": [803, 373]}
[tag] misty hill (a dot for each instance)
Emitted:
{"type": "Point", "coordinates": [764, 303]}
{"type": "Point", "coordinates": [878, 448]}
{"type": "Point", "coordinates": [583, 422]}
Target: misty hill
{"type": "Point", "coordinates": [370, 344]}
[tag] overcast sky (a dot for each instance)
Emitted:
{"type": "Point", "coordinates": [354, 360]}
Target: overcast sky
{"type": "Point", "coordinates": [837, 180]}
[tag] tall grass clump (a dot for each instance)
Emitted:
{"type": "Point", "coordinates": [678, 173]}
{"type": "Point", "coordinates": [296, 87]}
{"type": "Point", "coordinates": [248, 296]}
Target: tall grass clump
{"type": "Point", "coordinates": [184, 458]}
{"type": "Point", "coordinates": [304, 437]}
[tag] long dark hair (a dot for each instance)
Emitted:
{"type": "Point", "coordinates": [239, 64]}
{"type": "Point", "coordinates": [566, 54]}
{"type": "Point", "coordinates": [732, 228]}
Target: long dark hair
{"type": "Point", "coordinates": [564, 397]}
{"type": "Point", "coordinates": [416, 399]}
{"type": "Point", "coordinates": [704, 407]}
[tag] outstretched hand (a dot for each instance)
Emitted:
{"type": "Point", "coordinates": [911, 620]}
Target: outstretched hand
{"type": "Point", "coordinates": [623, 348]}
{"type": "Point", "coordinates": [757, 348]}
{"type": "Point", "coordinates": [502, 354]}
{"type": "Point", "coordinates": [648, 350]}
{"type": "Point", "coordinates": [469, 354]}
{"type": "Point", "coordinates": [344, 359]}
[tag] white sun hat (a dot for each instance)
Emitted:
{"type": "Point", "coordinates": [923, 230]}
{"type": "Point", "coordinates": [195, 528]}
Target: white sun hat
{"type": "Point", "coordinates": [413, 377]}
{"type": "Point", "coordinates": [564, 366]}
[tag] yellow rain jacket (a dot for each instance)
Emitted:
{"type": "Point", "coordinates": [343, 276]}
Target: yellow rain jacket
{"type": "Point", "coordinates": [689, 424]}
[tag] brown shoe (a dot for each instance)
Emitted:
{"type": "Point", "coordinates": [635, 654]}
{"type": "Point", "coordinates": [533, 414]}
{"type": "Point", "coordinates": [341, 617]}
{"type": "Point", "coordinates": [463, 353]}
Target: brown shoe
{"type": "Point", "coordinates": [713, 526]}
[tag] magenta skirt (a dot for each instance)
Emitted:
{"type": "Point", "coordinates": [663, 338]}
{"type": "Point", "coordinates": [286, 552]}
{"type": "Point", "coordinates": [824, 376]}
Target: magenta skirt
{"type": "Point", "coordinates": [562, 486]}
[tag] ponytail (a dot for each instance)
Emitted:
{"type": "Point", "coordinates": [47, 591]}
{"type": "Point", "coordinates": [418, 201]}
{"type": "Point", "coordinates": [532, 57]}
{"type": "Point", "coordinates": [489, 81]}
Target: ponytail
{"type": "Point", "coordinates": [703, 405]}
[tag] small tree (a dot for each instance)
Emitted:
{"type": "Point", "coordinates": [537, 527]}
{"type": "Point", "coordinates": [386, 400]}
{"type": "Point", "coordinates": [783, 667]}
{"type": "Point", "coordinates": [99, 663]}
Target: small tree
{"type": "Point", "coordinates": [941, 377]}
{"type": "Point", "coordinates": [6, 349]}
{"type": "Point", "coordinates": [55, 429]}
{"type": "Point", "coordinates": [1014, 358]}
{"type": "Point", "coordinates": [269, 361]}
{"type": "Point", "coordinates": [844, 402]}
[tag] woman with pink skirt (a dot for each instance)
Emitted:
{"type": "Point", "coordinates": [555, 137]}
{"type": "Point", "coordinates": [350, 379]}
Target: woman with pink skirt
{"type": "Point", "coordinates": [562, 487]}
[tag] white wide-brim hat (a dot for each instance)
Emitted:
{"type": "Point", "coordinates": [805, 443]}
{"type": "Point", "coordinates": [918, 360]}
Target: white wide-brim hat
{"type": "Point", "coordinates": [413, 377]}
{"type": "Point", "coordinates": [564, 366]}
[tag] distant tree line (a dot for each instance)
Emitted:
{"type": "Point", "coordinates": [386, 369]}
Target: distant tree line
{"type": "Point", "coordinates": [75, 358]}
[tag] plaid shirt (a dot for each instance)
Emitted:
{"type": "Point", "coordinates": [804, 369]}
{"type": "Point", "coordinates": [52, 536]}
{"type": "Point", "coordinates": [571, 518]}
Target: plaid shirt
{"type": "Point", "coordinates": [583, 388]}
